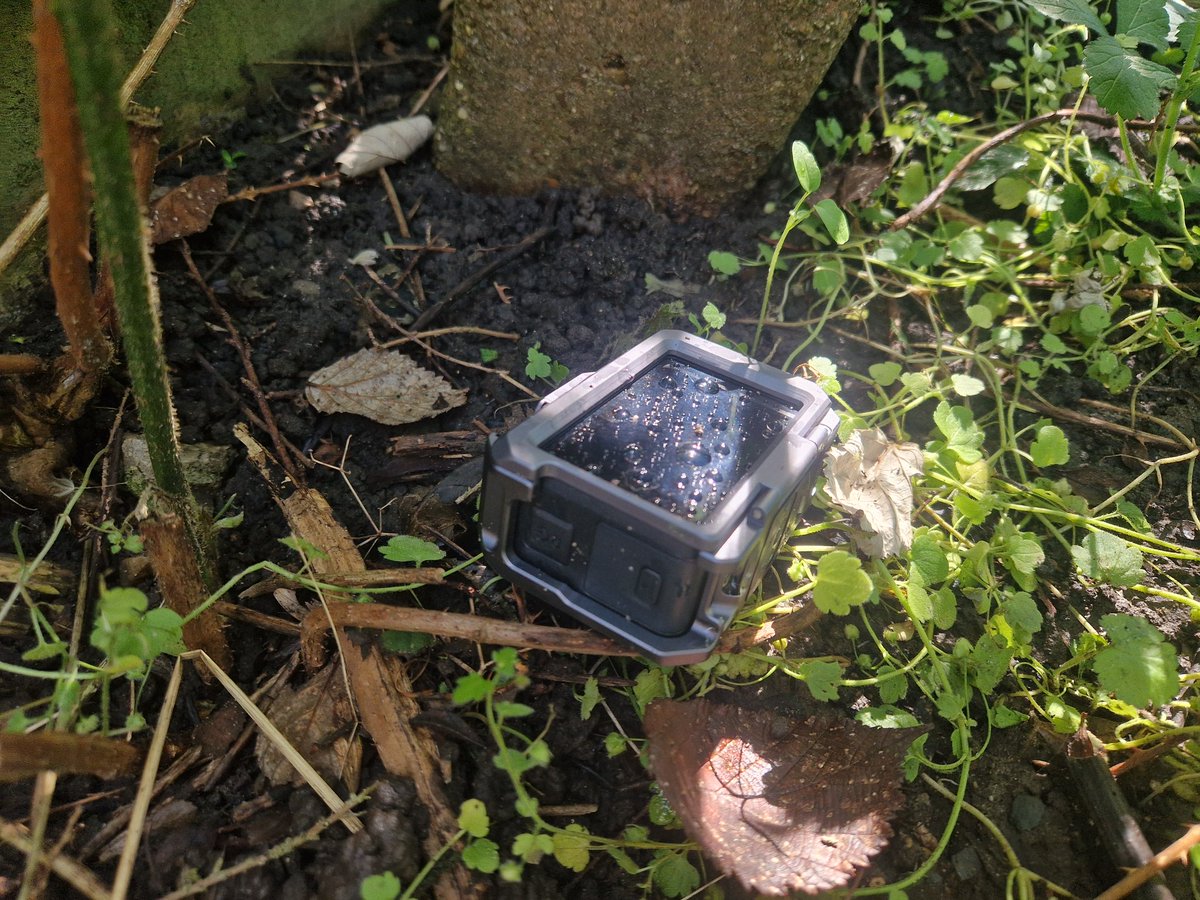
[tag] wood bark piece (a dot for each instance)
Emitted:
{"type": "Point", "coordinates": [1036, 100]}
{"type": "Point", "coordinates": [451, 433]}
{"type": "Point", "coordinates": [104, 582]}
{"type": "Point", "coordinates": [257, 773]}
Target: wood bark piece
{"type": "Point", "coordinates": [24, 755]}
{"type": "Point", "coordinates": [173, 556]}
{"type": "Point", "coordinates": [380, 684]}
{"type": "Point", "coordinates": [681, 102]}
{"type": "Point", "coordinates": [70, 197]}
{"type": "Point", "coordinates": [1115, 823]}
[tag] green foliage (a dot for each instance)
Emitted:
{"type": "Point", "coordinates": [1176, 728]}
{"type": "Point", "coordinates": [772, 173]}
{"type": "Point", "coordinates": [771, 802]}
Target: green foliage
{"type": "Point", "coordinates": [404, 548]}
{"type": "Point", "coordinates": [675, 875]}
{"type": "Point", "coordinates": [1138, 667]}
{"type": "Point", "coordinates": [120, 540]}
{"type": "Point", "coordinates": [1108, 558]}
{"type": "Point", "coordinates": [384, 886]}
{"type": "Point", "coordinates": [841, 583]}
{"type": "Point", "coordinates": [482, 855]}
{"type": "Point", "coordinates": [1050, 448]}
{"type": "Point", "coordinates": [131, 635]}
{"type": "Point", "coordinates": [540, 365]}
{"type": "Point", "coordinates": [724, 263]}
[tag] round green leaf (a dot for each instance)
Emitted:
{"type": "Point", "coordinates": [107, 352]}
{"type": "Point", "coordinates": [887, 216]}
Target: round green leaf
{"type": "Point", "coordinates": [1050, 448]}
{"type": "Point", "coordinates": [473, 818]}
{"type": "Point", "coordinates": [841, 583]}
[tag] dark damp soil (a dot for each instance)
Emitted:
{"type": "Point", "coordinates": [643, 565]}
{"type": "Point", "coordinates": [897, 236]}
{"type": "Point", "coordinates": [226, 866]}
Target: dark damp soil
{"type": "Point", "coordinates": [282, 267]}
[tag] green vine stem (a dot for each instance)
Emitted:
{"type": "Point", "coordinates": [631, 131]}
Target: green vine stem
{"type": "Point", "coordinates": [1174, 106]}
{"type": "Point", "coordinates": [90, 38]}
{"type": "Point", "coordinates": [89, 34]}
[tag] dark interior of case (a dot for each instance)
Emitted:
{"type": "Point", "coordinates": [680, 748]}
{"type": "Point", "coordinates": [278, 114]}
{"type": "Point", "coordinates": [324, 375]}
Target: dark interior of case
{"type": "Point", "coordinates": [678, 436]}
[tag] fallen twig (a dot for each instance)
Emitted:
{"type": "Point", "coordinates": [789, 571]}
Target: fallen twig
{"type": "Point", "coordinates": [280, 850]}
{"type": "Point", "coordinates": [972, 156]}
{"type": "Point", "coordinates": [251, 380]}
{"type": "Point", "coordinates": [414, 278]}
{"type": "Point", "coordinates": [479, 629]}
{"type": "Point", "coordinates": [1079, 418]}
{"type": "Point", "coordinates": [782, 627]}
{"type": "Point", "coordinates": [73, 873]}
{"type": "Point", "coordinates": [1177, 853]}
{"type": "Point", "coordinates": [501, 260]}
{"type": "Point", "coordinates": [1114, 821]}
{"type": "Point", "coordinates": [253, 193]}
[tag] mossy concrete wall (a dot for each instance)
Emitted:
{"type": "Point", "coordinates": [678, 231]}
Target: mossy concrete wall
{"type": "Point", "coordinates": [206, 72]}
{"type": "Point", "coordinates": [679, 100]}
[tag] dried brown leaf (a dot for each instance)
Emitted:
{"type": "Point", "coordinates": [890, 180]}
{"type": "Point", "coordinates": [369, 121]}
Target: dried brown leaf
{"type": "Point", "coordinates": [188, 208]}
{"type": "Point", "coordinates": [316, 719]}
{"type": "Point", "coordinates": [782, 804]}
{"type": "Point", "coordinates": [382, 385]}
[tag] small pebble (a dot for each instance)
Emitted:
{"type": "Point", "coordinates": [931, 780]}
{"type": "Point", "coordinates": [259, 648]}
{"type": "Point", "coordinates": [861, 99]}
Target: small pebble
{"type": "Point", "coordinates": [966, 864]}
{"type": "Point", "coordinates": [1027, 812]}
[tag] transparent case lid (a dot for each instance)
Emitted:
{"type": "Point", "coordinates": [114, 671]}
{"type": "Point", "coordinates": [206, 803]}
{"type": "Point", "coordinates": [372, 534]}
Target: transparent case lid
{"type": "Point", "coordinates": [678, 436]}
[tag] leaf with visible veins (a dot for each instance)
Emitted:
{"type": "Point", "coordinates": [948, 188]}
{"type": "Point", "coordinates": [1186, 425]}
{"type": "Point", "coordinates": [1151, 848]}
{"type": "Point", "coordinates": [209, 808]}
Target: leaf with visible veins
{"type": "Point", "coordinates": [781, 804]}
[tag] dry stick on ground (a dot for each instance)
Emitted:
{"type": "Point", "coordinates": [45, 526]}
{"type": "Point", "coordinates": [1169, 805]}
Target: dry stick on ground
{"type": "Point", "coordinates": [77, 876]}
{"type": "Point", "coordinates": [1078, 418]}
{"type": "Point", "coordinates": [934, 197]}
{"type": "Point", "coordinates": [251, 380]}
{"type": "Point", "coordinates": [118, 820]}
{"type": "Point", "coordinates": [1176, 854]}
{"type": "Point", "coordinates": [514, 634]}
{"type": "Point", "coordinates": [34, 878]}
{"type": "Point", "coordinates": [379, 684]}
{"type": "Point", "coordinates": [414, 337]}
{"type": "Point", "coordinates": [253, 193]}
{"type": "Point", "coordinates": [1109, 811]}
{"type": "Point", "coordinates": [478, 629]}
{"type": "Point", "coordinates": [20, 364]}
{"type": "Point", "coordinates": [279, 851]}
{"type": "Point", "coordinates": [32, 220]}
{"type": "Point", "coordinates": [501, 260]}
{"type": "Point", "coordinates": [23, 755]}
{"type": "Point", "coordinates": [414, 279]}
{"type": "Point", "coordinates": [247, 411]}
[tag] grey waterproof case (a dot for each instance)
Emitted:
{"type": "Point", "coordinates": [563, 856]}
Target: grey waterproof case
{"type": "Point", "coordinates": [648, 498]}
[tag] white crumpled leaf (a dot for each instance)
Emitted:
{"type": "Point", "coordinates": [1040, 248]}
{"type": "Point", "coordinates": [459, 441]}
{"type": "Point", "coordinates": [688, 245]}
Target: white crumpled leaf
{"type": "Point", "coordinates": [384, 144]}
{"type": "Point", "coordinates": [869, 476]}
{"type": "Point", "coordinates": [382, 385]}
{"type": "Point", "coordinates": [1086, 290]}
{"type": "Point", "coordinates": [364, 258]}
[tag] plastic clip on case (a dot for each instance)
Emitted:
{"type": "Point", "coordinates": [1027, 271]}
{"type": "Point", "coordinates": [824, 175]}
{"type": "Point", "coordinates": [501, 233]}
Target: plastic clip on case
{"type": "Point", "coordinates": [649, 497]}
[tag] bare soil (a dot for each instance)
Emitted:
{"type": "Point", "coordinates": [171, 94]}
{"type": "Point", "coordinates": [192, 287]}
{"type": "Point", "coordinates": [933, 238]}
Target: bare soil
{"type": "Point", "coordinates": [280, 265]}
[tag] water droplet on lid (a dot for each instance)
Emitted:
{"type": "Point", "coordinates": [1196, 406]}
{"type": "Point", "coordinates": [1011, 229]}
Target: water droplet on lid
{"type": "Point", "coordinates": [719, 424]}
{"type": "Point", "coordinates": [708, 385]}
{"type": "Point", "coordinates": [618, 414]}
{"type": "Point", "coordinates": [694, 454]}
{"type": "Point", "coordinates": [721, 448]}
{"type": "Point", "coordinates": [670, 382]}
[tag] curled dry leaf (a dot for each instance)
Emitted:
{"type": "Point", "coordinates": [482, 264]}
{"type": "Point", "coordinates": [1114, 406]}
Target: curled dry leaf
{"type": "Point", "coordinates": [869, 476]}
{"type": "Point", "coordinates": [384, 144]}
{"type": "Point", "coordinates": [316, 719]}
{"type": "Point", "coordinates": [188, 208]}
{"type": "Point", "coordinates": [382, 385]}
{"type": "Point", "coordinates": [781, 804]}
